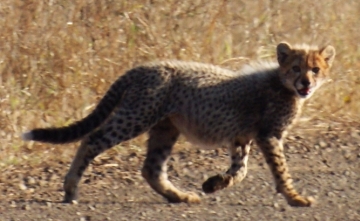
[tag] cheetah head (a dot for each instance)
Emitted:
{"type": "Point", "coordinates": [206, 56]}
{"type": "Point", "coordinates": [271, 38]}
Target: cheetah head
{"type": "Point", "coordinates": [303, 69]}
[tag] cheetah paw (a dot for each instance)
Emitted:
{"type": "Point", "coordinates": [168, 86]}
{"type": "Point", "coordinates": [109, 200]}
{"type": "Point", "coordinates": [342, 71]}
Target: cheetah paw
{"type": "Point", "coordinates": [300, 201]}
{"type": "Point", "coordinates": [188, 197]}
{"type": "Point", "coordinates": [70, 197]}
{"type": "Point", "coordinates": [192, 198]}
{"type": "Point", "coordinates": [217, 182]}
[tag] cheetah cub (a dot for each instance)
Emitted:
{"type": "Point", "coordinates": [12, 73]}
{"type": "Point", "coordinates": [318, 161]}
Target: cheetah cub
{"type": "Point", "coordinates": [211, 106]}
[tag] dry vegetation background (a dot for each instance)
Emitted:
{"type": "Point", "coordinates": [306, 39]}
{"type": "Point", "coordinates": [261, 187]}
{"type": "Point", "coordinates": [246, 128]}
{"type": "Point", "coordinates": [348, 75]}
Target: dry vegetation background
{"type": "Point", "coordinates": [58, 57]}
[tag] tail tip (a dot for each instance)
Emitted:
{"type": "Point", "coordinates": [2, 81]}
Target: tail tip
{"type": "Point", "coordinates": [27, 136]}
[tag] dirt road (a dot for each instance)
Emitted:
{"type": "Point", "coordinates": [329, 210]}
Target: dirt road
{"type": "Point", "coordinates": [324, 161]}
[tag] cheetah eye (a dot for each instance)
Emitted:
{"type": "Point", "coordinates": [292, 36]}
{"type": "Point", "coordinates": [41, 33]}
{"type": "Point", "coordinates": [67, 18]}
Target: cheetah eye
{"type": "Point", "coordinates": [315, 70]}
{"type": "Point", "coordinates": [296, 68]}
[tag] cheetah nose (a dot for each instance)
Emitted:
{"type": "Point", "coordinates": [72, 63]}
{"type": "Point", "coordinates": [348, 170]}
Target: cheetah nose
{"type": "Point", "coordinates": [305, 82]}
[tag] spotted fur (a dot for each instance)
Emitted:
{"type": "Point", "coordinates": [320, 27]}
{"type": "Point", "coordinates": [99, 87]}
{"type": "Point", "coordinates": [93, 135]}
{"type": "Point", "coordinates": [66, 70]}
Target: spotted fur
{"type": "Point", "coordinates": [211, 106]}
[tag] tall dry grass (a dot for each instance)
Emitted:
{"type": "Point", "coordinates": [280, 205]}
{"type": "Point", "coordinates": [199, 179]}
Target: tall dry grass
{"type": "Point", "coordinates": [58, 57]}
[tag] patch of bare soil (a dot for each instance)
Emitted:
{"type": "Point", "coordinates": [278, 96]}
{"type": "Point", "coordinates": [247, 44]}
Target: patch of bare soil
{"type": "Point", "coordinates": [324, 162]}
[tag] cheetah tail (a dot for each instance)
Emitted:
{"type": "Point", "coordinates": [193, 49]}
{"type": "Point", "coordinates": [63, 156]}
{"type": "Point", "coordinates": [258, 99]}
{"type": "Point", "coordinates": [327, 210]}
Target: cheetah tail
{"type": "Point", "coordinates": [83, 127]}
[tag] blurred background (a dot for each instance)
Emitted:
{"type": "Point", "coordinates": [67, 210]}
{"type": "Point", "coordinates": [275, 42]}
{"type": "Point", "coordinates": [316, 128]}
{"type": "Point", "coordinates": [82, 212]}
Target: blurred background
{"type": "Point", "coordinates": [58, 57]}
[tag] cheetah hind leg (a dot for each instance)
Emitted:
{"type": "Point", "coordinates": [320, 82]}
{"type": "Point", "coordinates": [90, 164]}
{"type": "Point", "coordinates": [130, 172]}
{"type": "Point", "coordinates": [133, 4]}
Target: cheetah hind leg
{"type": "Point", "coordinates": [161, 140]}
{"type": "Point", "coordinates": [118, 129]}
{"type": "Point", "coordinates": [235, 174]}
{"type": "Point", "coordinates": [136, 114]}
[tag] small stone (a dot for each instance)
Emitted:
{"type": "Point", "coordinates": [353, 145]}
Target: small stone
{"type": "Point", "coordinates": [13, 204]}
{"type": "Point", "coordinates": [347, 155]}
{"type": "Point", "coordinates": [31, 181]}
{"type": "Point", "coordinates": [48, 204]}
{"type": "Point", "coordinates": [344, 147]}
{"type": "Point", "coordinates": [74, 202]}
{"type": "Point", "coordinates": [240, 202]}
{"type": "Point", "coordinates": [331, 194]}
{"type": "Point", "coordinates": [217, 199]}
{"type": "Point", "coordinates": [322, 144]}
{"type": "Point", "coordinates": [26, 207]}
{"type": "Point", "coordinates": [91, 207]}
{"type": "Point", "coordinates": [22, 186]}
{"type": "Point", "coordinates": [353, 186]}
{"type": "Point", "coordinates": [42, 183]}
{"type": "Point", "coordinates": [53, 177]}
{"type": "Point", "coordinates": [199, 151]}
{"type": "Point", "coordinates": [276, 205]}
{"type": "Point", "coordinates": [355, 134]}
{"type": "Point", "coordinates": [129, 181]}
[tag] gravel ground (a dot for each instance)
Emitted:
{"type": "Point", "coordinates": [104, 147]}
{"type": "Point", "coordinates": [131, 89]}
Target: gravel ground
{"type": "Point", "coordinates": [324, 161]}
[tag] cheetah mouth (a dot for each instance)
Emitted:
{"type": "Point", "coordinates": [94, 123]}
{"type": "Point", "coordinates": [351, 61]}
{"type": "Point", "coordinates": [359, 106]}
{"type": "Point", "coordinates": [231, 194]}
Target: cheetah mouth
{"type": "Point", "coordinates": [304, 91]}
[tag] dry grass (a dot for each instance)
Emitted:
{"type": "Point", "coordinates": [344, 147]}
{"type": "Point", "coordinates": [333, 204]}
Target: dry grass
{"type": "Point", "coordinates": [58, 57]}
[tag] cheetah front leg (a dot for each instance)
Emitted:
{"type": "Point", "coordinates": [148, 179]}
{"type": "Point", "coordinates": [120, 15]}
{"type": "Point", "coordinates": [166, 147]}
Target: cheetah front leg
{"type": "Point", "coordinates": [161, 140]}
{"type": "Point", "coordinates": [236, 173]}
{"type": "Point", "coordinates": [272, 149]}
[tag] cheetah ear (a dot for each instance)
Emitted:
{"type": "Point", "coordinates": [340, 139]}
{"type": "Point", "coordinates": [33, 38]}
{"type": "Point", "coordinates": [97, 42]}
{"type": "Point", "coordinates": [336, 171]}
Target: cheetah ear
{"type": "Point", "coordinates": [283, 51]}
{"type": "Point", "coordinates": [328, 53]}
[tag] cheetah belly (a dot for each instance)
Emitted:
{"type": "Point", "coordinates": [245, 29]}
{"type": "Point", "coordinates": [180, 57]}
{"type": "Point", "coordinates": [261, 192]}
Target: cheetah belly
{"type": "Point", "coordinates": [195, 134]}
